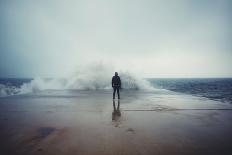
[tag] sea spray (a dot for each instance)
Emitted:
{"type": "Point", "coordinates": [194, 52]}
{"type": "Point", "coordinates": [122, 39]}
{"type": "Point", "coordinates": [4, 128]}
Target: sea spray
{"type": "Point", "coordinates": [8, 90]}
{"type": "Point", "coordinates": [90, 77]}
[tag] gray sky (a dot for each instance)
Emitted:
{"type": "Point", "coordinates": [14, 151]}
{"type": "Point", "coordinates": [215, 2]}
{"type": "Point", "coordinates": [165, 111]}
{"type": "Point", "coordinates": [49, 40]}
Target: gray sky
{"type": "Point", "coordinates": [163, 38]}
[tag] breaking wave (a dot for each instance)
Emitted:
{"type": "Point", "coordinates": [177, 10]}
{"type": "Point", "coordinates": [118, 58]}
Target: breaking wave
{"type": "Point", "coordinates": [94, 77]}
{"type": "Point", "coordinates": [6, 90]}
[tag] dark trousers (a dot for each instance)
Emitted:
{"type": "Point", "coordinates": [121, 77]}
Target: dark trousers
{"type": "Point", "coordinates": [116, 88]}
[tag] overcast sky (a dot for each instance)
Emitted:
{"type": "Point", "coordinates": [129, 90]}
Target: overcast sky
{"type": "Point", "coordinates": [163, 38]}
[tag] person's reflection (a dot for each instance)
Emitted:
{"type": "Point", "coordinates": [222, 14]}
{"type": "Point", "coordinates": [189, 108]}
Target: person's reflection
{"type": "Point", "coordinates": [116, 114]}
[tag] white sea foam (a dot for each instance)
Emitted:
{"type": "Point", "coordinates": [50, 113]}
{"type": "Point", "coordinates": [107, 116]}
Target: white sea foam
{"type": "Point", "coordinates": [91, 77]}
{"type": "Point", "coordinates": [6, 90]}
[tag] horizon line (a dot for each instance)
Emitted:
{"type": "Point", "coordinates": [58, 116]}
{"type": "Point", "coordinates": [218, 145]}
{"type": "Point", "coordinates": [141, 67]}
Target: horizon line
{"type": "Point", "coordinates": [216, 77]}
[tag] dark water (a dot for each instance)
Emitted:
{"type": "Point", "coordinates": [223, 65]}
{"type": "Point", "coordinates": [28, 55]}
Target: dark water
{"type": "Point", "coordinates": [15, 82]}
{"type": "Point", "coordinates": [213, 88]}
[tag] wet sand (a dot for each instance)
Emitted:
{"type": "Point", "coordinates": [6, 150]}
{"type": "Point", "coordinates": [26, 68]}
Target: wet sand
{"type": "Point", "coordinates": [88, 124]}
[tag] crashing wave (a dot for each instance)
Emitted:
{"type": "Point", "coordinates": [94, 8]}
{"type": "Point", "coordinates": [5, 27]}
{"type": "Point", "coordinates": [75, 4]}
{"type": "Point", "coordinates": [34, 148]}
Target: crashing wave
{"type": "Point", "coordinates": [8, 90]}
{"type": "Point", "coordinates": [91, 78]}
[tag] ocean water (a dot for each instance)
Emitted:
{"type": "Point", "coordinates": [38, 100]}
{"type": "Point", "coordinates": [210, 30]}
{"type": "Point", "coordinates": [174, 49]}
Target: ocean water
{"type": "Point", "coordinates": [219, 89]}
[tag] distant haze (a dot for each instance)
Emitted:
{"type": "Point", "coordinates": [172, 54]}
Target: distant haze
{"type": "Point", "coordinates": [162, 38]}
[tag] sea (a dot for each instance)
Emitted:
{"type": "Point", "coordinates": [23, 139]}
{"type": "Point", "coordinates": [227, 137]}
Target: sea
{"type": "Point", "coordinates": [219, 89]}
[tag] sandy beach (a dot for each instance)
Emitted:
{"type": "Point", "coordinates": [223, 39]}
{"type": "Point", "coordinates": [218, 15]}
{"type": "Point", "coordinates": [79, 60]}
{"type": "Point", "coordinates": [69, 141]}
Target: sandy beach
{"type": "Point", "coordinates": [87, 123]}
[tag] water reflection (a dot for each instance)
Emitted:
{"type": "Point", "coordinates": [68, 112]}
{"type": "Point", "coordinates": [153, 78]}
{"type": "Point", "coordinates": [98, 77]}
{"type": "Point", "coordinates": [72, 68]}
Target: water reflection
{"type": "Point", "coordinates": [116, 114]}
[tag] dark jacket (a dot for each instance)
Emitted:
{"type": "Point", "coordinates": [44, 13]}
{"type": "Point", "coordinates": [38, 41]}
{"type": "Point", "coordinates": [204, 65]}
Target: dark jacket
{"type": "Point", "coordinates": [116, 81]}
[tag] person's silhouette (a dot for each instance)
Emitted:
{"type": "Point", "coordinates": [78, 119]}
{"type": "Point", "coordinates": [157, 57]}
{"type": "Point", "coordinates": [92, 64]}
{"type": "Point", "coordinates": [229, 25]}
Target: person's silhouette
{"type": "Point", "coordinates": [116, 84]}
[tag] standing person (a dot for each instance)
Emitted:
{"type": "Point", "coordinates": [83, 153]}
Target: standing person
{"type": "Point", "coordinates": [116, 84]}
